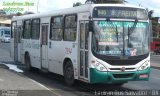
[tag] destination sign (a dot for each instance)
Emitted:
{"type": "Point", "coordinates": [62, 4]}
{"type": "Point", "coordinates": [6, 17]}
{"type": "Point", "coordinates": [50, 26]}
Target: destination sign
{"type": "Point", "coordinates": [121, 24]}
{"type": "Point", "coordinates": [120, 12]}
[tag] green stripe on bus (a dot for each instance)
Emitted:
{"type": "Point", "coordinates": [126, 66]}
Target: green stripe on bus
{"type": "Point", "coordinates": [107, 77]}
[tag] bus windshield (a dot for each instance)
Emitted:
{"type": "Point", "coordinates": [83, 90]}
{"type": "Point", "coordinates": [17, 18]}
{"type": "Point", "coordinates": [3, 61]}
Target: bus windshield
{"type": "Point", "coordinates": [114, 38]}
{"type": "Point", "coordinates": [7, 32]}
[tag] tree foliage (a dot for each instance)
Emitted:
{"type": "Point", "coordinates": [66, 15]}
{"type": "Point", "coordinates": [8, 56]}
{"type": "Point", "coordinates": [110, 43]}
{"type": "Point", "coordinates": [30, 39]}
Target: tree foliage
{"type": "Point", "coordinates": [150, 14]}
{"type": "Point", "coordinates": [77, 4]}
{"type": "Point", "coordinates": [2, 11]}
{"type": "Point", "coordinates": [154, 26]}
{"type": "Point", "coordinates": [18, 13]}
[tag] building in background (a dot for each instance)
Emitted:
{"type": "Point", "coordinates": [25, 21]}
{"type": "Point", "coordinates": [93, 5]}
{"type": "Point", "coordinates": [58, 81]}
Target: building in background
{"type": "Point", "coordinates": [156, 33]}
{"type": "Point", "coordinates": [5, 20]}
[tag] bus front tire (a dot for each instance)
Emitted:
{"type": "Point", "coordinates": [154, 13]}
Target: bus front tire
{"type": "Point", "coordinates": [27, 62]}
{"type": "Point", "coordinates": [69, 73]}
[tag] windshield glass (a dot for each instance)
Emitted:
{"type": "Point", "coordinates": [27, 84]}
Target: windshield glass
{"type": "Point", "coordinates": [114, 38]}
{"type": "Point", "coordinates": [7, 32]}
{"type": "Point", "coordinates": [7, 35]}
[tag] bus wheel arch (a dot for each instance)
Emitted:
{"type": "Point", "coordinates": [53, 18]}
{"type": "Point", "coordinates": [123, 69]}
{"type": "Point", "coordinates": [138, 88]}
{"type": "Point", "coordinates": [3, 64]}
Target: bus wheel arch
{"type": "Point", "coordinates": [27, 61]}
{"type": "Point", "coordinates": [68, 72]}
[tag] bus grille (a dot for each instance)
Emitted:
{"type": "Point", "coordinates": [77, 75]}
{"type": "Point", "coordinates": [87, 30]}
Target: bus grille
{"type": "Point", "coordinates": [123, 75]}
{"type": "Point", "coordinates": [122, 62]}
{"type": "Point", "coordinates": [119, 69]}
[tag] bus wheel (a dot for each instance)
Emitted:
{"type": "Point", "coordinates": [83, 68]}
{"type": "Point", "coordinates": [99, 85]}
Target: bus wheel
{"type": "Point", "coordinates": [27, 62]}
{"type": "Point", "coordinates": [69, 73]}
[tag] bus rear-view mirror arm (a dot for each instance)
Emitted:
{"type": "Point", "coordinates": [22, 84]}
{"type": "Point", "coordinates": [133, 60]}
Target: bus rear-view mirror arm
{"type": "Point", "coordinates": [91, 26]}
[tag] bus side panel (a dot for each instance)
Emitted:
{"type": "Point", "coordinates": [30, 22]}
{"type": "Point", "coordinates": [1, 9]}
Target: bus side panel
{"type": "Point", "coordinates": [35, 53]}
{"type": "Point", "coordinates": [32, 47]}
{"type": "Point", "coordinates": [57, 52]}
{"type": "Point", "coordinates": [55, 55]}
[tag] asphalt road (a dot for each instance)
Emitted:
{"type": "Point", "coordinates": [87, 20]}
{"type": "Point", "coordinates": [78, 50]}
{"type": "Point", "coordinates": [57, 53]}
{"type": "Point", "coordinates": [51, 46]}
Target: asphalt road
{"type": "Point", "coordinates": [36, 83]}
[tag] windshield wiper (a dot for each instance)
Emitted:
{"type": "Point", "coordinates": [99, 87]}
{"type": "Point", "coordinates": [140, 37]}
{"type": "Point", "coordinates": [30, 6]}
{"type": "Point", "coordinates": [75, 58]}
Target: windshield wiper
{"type": "Point", "coordinates": [113, 27]}
{"type": "Point", "coordinates": [131, 29]}
{"type": "Point", "coordinates": [117, 33]}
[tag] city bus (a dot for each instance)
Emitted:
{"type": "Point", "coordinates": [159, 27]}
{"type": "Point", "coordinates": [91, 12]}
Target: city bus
{"type": "Point", "coordinates": [93, 43]}
{"type": "Point", "coordinates": [5, 34]}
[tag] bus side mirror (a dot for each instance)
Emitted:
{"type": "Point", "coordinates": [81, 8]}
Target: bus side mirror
{"type": "Point", "coordinates": [75, 18]}
{"type": "Point", "coordinates": [91, 26]}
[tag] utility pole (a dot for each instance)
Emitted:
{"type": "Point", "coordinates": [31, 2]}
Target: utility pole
{"type": "Point", "coordinates": [37, 5]}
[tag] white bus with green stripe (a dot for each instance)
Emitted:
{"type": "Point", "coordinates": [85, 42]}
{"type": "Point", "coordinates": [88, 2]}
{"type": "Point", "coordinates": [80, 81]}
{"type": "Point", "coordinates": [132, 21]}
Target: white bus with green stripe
{"type": "Point", "coordinates": [94, 43]}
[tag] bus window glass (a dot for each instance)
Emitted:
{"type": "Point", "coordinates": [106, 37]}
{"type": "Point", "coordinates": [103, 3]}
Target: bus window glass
{"type": "Point", "coordinates": [116, 38]}
{"type": "Point", "coordinates": [56, 28]}
{"type": "Point", "coordinates": [70, 28]}
{"type": "Point", "coordinates": [86, 35]}
{"type": "Point", "coordinates": [35, 29]}
{"type": "Point", "coordinates": [7, 32]}
{"type": "Point", "coordinates": [136, 40]}
{"type": "Point", "coordinates": [82, 31]}
{"type": "Point", "coordinates": [106, 41]}
{"type": "Point", "coordinates": [27, 29]}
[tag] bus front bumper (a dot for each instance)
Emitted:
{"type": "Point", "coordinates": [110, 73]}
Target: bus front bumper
{"type": "Point", "coordinates": [118, 77]}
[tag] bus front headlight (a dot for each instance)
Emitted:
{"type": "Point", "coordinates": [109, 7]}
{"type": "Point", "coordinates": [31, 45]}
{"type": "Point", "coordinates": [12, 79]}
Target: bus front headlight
{"type": "Point", "coordinates": [99, 66]}
{"type": "Point", "coordinates": [144, 66]}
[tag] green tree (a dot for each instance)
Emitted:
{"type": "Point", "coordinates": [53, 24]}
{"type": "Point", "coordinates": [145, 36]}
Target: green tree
{"type": "Point", "coordinates": [106, 1]}
{"type": "Point", "coordinates": [150, 14]}
{"type": "Point", "coordinates": [155, 26]}
{"type": "Point", "coordinates": [18, 13]}
{"type": "Point", "coordinates": [2, 12]}
{"type": "Point", "coordinates": [77, 4]}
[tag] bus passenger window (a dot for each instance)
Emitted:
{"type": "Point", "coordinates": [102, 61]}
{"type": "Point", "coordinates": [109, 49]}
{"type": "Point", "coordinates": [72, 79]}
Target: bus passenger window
{"type": "Point", "coordinates": [70, 29]}
{"type": "Point", "coordinates": [35, 29]}
{"type": "Point", "coordinates": [56, 28]}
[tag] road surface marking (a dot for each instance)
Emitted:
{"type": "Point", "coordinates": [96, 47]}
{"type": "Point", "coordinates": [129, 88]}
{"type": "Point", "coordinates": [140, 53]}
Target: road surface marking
{"type": "Point", "coordinates": [45, 87]}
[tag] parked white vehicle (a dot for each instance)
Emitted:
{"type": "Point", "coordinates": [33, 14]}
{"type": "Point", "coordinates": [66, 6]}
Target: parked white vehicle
{"type": "Point", "coordinates": [5, 34]}
{"type": "Point", "coordinates": [5, 38]}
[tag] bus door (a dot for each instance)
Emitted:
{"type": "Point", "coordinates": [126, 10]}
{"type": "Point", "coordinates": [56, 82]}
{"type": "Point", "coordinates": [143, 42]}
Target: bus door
{"type": "Point", "coordinates": [44, 47]}
{"type": "Point", "coordinates": [83, 57]}
{"type": "Point", "coordinates": [15, 36]}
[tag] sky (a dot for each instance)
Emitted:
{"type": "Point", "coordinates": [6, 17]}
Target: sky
{"type": "Point", "coordinates": [49, 5]}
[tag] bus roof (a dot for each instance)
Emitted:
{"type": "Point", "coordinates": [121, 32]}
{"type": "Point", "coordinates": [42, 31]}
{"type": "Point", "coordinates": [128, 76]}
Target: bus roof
{"type": "Point", "coordinates": [78, 9]}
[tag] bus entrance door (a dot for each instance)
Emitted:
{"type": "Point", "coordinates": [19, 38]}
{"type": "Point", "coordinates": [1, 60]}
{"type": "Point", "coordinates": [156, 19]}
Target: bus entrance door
{"type": "Point", "coordinates": [84, 37]}
{"type": "Point", "coordinates": [15, 35]}
{"type": "Point", "coordinates": [44, 49]}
